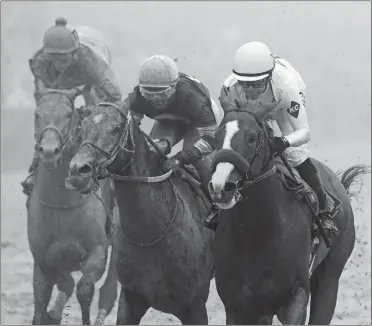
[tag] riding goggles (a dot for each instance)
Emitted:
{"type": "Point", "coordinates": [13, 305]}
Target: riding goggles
{"type": "Point", "coordinates": [254, 83]}
{"type": "Point", "coordinates": [156, 93]}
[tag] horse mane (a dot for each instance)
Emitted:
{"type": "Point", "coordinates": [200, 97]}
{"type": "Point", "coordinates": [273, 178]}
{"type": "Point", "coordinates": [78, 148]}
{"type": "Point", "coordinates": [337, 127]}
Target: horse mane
{"type": "Point", "coordinates": [234, 115]}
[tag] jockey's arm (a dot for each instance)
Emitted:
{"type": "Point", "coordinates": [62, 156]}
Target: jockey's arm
{"type": "Point", "coordinates": [109, 86]}
{"type": "Point", "coordinates": [226, 100]}
{"type": "Point", "coordinates": [299, 123]}
{"type": "Point", "coordinates": [37, 67]}
{"type": "Point", "coordinates": [101, 76]}
{"type": "Point", "coordinates": [126, 105]}
{"type": "Point", "coordinates": [39, 87]}
{"type": "Point", "coordinates": [206, 123]}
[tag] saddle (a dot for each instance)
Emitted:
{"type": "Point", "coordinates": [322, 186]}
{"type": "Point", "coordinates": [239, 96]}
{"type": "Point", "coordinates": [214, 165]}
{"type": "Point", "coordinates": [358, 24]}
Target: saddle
{"type": "Point", "coordinates": [301, 189]}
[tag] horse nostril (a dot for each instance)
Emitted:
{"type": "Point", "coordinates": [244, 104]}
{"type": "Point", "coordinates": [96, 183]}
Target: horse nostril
{"type": "Point", "coordinates": [230, 186]}
{"type": "Point", "coordinates": [85, 169]}
{"type": "Point", "coordinates": [40, 149]}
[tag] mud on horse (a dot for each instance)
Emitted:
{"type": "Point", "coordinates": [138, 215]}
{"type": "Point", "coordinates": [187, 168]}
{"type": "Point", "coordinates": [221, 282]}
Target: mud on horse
{"type": "Point", "coordinates": [163, 252]}
{"type": "Point", "coordinates": [67, 231]}
{"type": "Point", "coordinates": [263, 242]}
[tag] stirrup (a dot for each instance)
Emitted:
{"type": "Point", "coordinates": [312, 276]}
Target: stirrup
{"type": "Point", "coordinates": [329, 224]}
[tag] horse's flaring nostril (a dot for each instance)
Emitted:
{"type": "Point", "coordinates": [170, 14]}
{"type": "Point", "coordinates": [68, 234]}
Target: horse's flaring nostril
{"type": "Point", "coordinates": [85, 169]}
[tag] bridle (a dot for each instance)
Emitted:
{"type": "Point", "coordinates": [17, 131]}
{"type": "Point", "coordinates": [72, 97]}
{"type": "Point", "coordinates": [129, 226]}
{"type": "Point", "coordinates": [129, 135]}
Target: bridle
{"type": "Point", "coordinates": [101, 172]}
{"type": "Point", "coordinates": [72, 128]}
{"type": "Point", "coordinates": [245, 181]}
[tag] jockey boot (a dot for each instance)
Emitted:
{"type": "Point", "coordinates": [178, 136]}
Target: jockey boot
{"type": "Point", "coordinates": [28, 183]}
{"type": "Point", "coordinates": [315, 182]}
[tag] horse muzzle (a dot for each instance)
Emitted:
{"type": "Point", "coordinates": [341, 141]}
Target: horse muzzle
{"type": "Point", "coordinates": [76, 182]}
{"type": "Point", "coordinates": [229, 196]}
{"type": "Point", "coordinates": [51, 156]}
{"type": "Point", "coordinates": [80, 177]}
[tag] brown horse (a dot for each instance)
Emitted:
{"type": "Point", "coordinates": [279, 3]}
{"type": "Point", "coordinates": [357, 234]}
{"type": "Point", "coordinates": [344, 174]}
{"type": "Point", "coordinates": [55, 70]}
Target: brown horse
{"type": "Point", "coordinates": [263, 242]}
{"type": "Point", "coordinates": [164, 257]}
{"type": "Point", "coordinates": [67, 231]}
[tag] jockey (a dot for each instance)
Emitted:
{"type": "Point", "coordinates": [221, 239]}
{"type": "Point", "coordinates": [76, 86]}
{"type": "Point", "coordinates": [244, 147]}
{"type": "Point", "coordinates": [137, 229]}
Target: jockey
{"type": "Point", "coordinates": [263, 81]}
{"type": "Point", "coordinates": [65, 62]}
{"type": "Point", "coordinates": [164, 92]}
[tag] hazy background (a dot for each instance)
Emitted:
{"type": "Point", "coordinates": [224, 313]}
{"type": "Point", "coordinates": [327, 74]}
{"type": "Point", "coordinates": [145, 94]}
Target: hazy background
{"type": "Point", "coordinates": [328, 42]}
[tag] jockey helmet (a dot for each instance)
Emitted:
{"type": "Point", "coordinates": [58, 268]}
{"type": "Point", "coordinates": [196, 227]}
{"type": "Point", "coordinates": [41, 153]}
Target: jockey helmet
{"type": "Point", "coordinates": [157, 79]}
{"type": "Point", "coordinates": [60, 38]}
{"type": "Point", "coordinates": [158, 71]}
{"type": "Point", "coordinates": [253, 61]}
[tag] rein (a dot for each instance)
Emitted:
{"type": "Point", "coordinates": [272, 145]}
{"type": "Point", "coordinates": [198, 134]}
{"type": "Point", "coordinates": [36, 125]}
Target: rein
{"type": "Point", "coordinates": [245, 182]}
{"type": "Point", "coordinates": [102, 172]}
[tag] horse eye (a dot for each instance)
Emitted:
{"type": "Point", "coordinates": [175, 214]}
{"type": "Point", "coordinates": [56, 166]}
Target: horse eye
{"type": "Point", "coordinates": [253, 138]}
{"type": "Point", "coordinates": [115, 131]}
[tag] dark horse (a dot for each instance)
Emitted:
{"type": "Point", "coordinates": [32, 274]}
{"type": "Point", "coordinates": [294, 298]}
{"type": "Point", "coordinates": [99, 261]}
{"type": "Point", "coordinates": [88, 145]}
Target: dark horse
{"type": "Point", "coordinates": [164, 257]}
{"type": "Point", "coordinates": [67, 231]}
{"type": "Point", "coordinates": [264, 238]}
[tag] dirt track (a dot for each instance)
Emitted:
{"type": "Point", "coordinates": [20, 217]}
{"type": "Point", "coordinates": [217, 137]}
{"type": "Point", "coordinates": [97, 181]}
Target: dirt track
{"type": "Point", "coordinates": [329, 43]}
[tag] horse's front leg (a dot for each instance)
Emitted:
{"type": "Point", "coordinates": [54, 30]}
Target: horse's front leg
{"type": "Point", "coordinates": [93, 270]}
{"type": "Point", "coordinates": [43, 288]}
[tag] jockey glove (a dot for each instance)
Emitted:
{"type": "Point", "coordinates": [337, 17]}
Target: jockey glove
{"type": "Point", "coordinates": [187, 156]}
{"type": "Point", "coordinates": [279, 145]}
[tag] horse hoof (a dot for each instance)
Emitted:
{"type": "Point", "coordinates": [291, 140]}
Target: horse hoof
{"type": "Point", "coordinates": [53, 321]}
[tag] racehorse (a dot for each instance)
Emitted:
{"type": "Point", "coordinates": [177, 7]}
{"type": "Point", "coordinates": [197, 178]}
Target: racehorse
{"type": "Point", "coordinates": [263, 242]}
{"type": "Point", "coordinates": [164, 257]}
{"type": "Point", "coordinates": [67, 231]}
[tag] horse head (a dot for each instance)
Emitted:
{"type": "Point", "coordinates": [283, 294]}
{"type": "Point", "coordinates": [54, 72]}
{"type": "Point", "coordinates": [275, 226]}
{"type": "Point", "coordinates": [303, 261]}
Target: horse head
{"type": "Point", "coordinates": [243, 139]}
{"type": "Point", "coordinates": [106, 143]}
{"type": "Point", "coordinates": [56, 124]}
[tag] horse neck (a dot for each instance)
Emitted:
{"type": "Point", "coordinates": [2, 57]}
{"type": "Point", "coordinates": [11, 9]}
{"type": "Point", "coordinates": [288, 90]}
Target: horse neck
{"type": "Point", "coordinates": [146, 208]}
{"type": "Point", "coordinates": [144, 161]}
{"type": "Point", "coordinates": [260, 211]}
{"type": "Point", "coordinates": [50, 184]}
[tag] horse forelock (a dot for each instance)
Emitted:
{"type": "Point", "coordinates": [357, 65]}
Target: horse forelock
{"type": "Point", "coordinates": [54, 103]}
{"type": "Point", "coordinates": [104, 113]}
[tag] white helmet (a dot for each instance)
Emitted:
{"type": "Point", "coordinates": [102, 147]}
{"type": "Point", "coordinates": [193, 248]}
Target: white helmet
{"type": "Point", "coordinates": [158, 71]}
{"type": "Point", "coordinates": [253, 61]}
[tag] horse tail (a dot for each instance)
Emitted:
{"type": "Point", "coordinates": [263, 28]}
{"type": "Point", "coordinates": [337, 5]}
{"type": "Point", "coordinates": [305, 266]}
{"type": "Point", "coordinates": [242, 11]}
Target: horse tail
{"type": "Point", "coordinates": [350, 176]}
{"type": "Point", "coordinates": [66, 254]}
